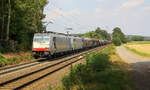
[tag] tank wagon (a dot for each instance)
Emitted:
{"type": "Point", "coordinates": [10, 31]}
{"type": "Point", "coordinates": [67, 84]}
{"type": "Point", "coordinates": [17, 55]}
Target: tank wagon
{"type": "Point", "coordinates": [52, 44]}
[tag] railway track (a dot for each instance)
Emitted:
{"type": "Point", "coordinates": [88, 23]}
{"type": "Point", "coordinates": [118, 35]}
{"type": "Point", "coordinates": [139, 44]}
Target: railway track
{"type": "Point", "coordinates": [23, 78]}
{"type": "Point", "coordinates": [17, 67]}
{"type": "Point", "coordinates": [14, 68]}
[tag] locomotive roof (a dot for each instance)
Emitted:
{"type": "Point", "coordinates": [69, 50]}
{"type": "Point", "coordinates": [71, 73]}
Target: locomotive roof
{"type": "Point", "coordinates": [62, 34]}
{"type": "Point", "coordinates": [54, 33]}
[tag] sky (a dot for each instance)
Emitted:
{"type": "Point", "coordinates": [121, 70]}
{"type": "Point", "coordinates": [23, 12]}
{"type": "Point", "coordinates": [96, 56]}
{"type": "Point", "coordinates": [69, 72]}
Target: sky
{"type": "Point", "coordinates": [132, 16]}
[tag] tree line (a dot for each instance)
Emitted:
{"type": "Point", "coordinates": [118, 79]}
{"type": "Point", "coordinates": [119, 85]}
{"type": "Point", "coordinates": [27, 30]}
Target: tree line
{"type": "Point", "coordinates": [98, 34]}
{"type": "Point", "coordinates": [19, 20]}
{"type": "Point", "coordinates": [137, 38]}
{"type": "Point", "coordinates": [117, 37]}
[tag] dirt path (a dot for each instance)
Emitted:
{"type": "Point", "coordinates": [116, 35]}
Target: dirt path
{"type": "Point", "coordinates": [140, 68]}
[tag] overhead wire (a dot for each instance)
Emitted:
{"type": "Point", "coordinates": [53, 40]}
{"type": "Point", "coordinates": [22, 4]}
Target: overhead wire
{"type": "Point", "coordinates": [77, 25]}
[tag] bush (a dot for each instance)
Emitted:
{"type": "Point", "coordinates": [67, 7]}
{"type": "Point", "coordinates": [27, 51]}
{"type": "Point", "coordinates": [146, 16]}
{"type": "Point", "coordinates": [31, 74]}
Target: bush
{"type": "Point", "coordinates": [83, 74]}
{"type": "Point", "coordinates": [98, 62]}
{"type": "Point", "coordinates": [97, 74]}
{"type": "Point", "coordinates": [117, 41]}
{"type": "Point", "coordinates": [77, 76]}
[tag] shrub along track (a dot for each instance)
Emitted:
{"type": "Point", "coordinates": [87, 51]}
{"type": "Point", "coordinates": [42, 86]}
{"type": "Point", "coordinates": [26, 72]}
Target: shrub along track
{"type": "Point", "coordinates": [22, 78]}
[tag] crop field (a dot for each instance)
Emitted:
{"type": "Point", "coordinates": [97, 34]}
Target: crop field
{"type": "Point", "coordinates": [141, 48]}
{"type": "Point", "coordinates": [139, 42]}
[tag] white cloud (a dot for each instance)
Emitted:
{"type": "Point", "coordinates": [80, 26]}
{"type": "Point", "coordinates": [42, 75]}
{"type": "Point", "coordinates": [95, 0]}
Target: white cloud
{"type": "Point", "coordinates": [132, 3]}
{"type": "Point", "coordinates": [130, 20]}
{"type": "Point", "coordinates": [147, 8]}
{"type": "Point", "coordinates": [54, 13]}
{"type": "Point", "coordinates": [65, 13]}
{"type": "Point", "coordinates": [100, 0]}
{"type": "Point", "coordinates": [98, 10]}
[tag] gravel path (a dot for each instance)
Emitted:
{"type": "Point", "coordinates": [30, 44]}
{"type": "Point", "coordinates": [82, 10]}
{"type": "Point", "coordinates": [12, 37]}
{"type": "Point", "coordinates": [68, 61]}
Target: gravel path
{"type": "Point", "coordinates": [140, 68]}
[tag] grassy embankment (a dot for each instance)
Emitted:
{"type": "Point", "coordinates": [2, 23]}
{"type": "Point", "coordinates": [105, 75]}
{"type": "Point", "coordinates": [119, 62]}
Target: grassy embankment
{"type": "Point", "coordinates": [140, 48]}
{"type": "Point", "coordinates": [103, 70]}
{"type": "Point", "coordinates": [14, 58]}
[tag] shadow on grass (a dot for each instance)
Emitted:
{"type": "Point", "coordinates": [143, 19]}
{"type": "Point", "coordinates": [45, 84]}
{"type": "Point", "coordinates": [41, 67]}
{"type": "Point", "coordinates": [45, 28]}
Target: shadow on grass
{"type": "Point", "coordinates": [141, 75]}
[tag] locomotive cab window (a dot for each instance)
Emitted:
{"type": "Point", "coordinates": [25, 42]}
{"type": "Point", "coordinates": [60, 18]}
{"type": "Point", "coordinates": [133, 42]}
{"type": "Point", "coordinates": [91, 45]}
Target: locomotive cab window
{"type": "Point", "coordinates": [39, 39]}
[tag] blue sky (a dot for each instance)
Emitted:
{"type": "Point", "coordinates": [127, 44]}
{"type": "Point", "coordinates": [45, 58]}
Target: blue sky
{"type": "Point", "coordinates": [132, 16]}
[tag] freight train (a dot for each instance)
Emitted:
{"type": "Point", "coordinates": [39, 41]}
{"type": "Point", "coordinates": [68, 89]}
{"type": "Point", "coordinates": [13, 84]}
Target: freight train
{"type": "Point", "coordinates": [51, 44]}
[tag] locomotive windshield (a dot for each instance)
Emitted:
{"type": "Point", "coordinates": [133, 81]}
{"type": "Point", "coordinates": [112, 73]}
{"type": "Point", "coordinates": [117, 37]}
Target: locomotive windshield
{"type": "Point", "coordinates": [39, 39]}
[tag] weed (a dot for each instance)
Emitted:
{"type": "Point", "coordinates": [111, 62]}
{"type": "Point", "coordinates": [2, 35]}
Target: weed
{"type": "Point", "coordinates": [3, 61]}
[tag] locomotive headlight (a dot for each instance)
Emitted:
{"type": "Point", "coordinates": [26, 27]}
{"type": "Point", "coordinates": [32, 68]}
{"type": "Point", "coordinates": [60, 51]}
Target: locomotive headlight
{"type": "Point", "coordinates": [33, 53]}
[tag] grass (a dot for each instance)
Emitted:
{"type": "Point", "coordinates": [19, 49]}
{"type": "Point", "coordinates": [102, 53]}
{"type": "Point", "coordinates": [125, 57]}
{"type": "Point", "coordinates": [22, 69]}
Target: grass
{"type": "Point", "coordinates": [14, 58]}
{"type": "Point", "coordinates": [140, 48]}
{"type": "Point", "coordinates": [103, 71]}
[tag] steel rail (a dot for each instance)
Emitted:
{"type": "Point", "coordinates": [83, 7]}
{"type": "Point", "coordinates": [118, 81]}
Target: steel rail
{"type": "Point", "coordinates": [47, 67]}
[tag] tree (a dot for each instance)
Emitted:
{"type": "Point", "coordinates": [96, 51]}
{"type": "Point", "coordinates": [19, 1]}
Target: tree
{"type": "Point", "coordinates": [9, 17]}
{"type": "Point", "coordinates": [118, 35]}
{"type": "Point", "coordinates": [98, 34]}
{"type": "Point", "coordinates": [3, 4]}
{"type": "Point", "coordinates": [90, 34]}
{"type": "Point", "coordinates": [20, 19]}
{"type": "Point", "coordinates": [137, 38]}
{"type": "Point", "coordinates": [117, 41]}
{"type": "Point", "coordinates": [102, 34]}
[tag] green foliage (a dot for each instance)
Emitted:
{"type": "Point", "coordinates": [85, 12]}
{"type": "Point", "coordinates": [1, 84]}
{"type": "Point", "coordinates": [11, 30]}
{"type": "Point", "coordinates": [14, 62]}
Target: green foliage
{"type": "Point", "coordinates": [25, 20]}
{"type": "Point", "coordinates": [3, 61]}
{"type": "Point", "coordinates": [112, 79]}
{"type": "Point", "coordinates": [118, 36]}
{"type": "Point", "coordinates": [102, 34]}
{"type": "Point", "coordinates": [91, 34]}
{"type": "Point", "coordinates": [98, 62]}
{"type": "Point", "coordinates": [117, 41]}
{"type": "Point", "coordinates": [99, 73]}
{"type": "Point", "coordinates": [98, 34]}
{"type": "Point", "coordinates": [78, 76]}
{"type": "Point", "coordinates": [137, 38]}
